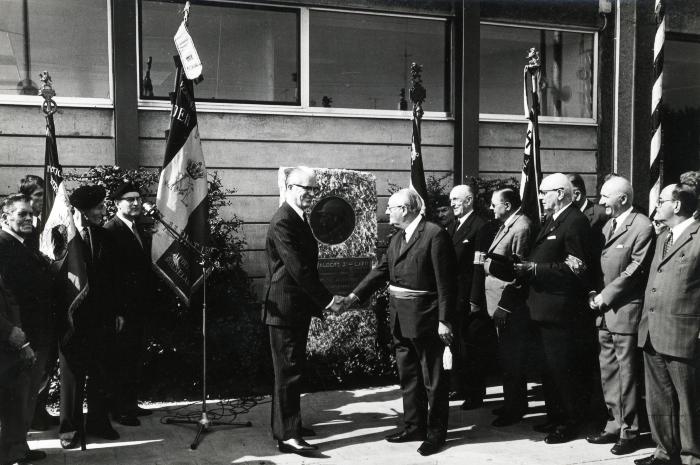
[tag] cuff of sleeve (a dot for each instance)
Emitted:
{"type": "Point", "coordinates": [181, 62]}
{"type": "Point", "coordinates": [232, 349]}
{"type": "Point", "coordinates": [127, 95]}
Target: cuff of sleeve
{"type": "Point", "coordinates": [505, 309]}
{"type": "Point", "coordinates": [330, 304]}
{"type": "Point", "coordinates": [354, 297]}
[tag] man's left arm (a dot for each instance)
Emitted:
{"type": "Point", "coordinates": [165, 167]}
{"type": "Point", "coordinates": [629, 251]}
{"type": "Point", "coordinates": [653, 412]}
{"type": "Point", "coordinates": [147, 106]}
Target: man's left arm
{"type": "Point", "coordinates": [445, 268]}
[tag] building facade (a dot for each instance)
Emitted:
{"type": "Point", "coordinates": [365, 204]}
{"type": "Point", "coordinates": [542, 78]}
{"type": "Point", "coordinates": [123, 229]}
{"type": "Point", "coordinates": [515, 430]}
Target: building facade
{"type": "Point", "coordinates": [325, 83]}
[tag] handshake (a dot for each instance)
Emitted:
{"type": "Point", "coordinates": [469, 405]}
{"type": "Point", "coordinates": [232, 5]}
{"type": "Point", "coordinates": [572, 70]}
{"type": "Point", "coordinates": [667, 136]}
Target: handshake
{"type": "Point", "coordinates": [341, 304]}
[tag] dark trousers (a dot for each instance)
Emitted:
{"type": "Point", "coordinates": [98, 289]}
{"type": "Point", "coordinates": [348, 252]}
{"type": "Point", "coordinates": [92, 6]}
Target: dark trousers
{"type": "Point", "coordinates": [83, 364]}
{"type": "Point", "coordinates": [13, 419]}
{"type": "Point", "coordinates": [513, 339]}
{"type": "Point", "coordinates": [424, 384]}
{"type": "Point", "coordinates": [288, 345]}
{"type": "Point", "coordinates": [476, 341]}
{"type": "Point", "coordinates": [562, 373]}
{"type": "Point", "coordinates": [673, 404]}
{"type": "Point", "coordinates": [39, 374]}
{"type": "Point", "coordinates": [43, 396]}
{"type": "Point", "coordinates": [618, 375]}
{"type": "Point", "coordinates": [129, 347]}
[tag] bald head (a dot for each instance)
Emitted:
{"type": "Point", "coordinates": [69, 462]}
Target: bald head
{"type": "Point", "coordinates": [462, 200]}
{"type": "Point", "coordinates": [403, 207]}
{"type": "Point", "coordinates": [556, 192]}
{"type": "Point", "coordinates": [616, 196]}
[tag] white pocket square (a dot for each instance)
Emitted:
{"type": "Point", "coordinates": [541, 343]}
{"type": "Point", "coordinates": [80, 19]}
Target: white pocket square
{"type": "Point", "coordinates": [465, 241]}
{"type": "Point", "coordinates": [549, 238]}
{"type": "Point", "coordinates": [620, 246]}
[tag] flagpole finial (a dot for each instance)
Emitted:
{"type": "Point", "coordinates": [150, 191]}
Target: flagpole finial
{"type": "Point", "coordinates": [417, 91]}
{"type": "Point", "coordinates": [533, 61]}
{"type": "Point", "coordinates": [49, 105]}
{"type": "Point", "coordinates": [186, 12]}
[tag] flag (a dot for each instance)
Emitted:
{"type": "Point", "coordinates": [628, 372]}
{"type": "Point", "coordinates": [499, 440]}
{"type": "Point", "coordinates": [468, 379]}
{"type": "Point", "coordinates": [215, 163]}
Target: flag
{"type": "Point", "coordinates": [182, 196]}
{"type": "Point", "coordinates": [532, 169]}
{"type": "Point", "coordinates": [417, 172]}
{"type": "Point", "coordinates": [59, 239]}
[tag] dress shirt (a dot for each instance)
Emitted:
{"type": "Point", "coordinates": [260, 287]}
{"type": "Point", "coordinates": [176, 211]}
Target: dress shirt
{"type": "Point", "coordinates": [462, 219]}
{"type": "Point", "coordinates": [556, 215]}
{"type": "Point", "coordinates": [622, 217]}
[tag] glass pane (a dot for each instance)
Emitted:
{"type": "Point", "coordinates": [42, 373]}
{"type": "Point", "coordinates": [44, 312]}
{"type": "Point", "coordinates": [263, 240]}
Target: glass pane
{"type": "Point", "coordinates": [248, 54]}
{"type": "Point", "coordinates": [567, 65]}
{"type": "Point", "coordinates": [681, 103]}
{"type": "Point", "coordinates": [363, 61]}
{"type": "Point", "coordinates": [46, 35]}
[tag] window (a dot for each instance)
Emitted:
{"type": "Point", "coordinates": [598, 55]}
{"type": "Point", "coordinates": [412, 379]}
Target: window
{"type": "Point", "coordinates": [46, 35]}
{"type": "Point", "coordinates": [363, 60]}
{"type": "Point", "coordinates": [568, 72]}
{"type": "Point", "coordinates": [249, 54]}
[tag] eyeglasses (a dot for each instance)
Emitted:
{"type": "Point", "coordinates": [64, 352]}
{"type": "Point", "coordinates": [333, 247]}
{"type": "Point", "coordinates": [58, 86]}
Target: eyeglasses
{"type": "Point", "coordinates": [493, 205]}
{"type": "Point", "coordinates": [661, 201]}
{"type": "Point", "coordinates": [391, 207]}
{"type": "Point", "coordinates": [131, 199]}
{"type": "Point", "coordinates": [312, 189]}
{"type": "Point", "coordinates": [544, 191]}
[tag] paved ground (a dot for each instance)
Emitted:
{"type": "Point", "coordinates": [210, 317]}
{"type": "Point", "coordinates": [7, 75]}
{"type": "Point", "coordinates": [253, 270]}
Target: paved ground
{"type": "Point", "coordinates": [350, 427]}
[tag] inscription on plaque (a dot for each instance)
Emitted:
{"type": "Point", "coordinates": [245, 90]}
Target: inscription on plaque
{"type": "Point", "coordinates": [341, 275]}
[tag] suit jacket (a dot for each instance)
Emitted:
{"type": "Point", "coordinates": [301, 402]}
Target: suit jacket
{"type": "Point", "coordinates": [558, 292]}
{"type": "Point", "coordinates": [27, 276]}
{"type": "Point", "coordinates": [10, 362]}
{"type": "Point", "coordinates": [596, 217]}
{"type": "Point", "coordinates": [426, 263]}
{"type": "Point", "coordinates": [464, 241]}
{"type": "Point", "coordinates": [671, 314]}
{"type": "Point", "coordinates": [513, 239]}
{"type": "Point", "coordinates": [624, 263]}
{"type": "Point", "coordinates": [134, 286]}
{"type": "Point", "coordinates": [294, 290]}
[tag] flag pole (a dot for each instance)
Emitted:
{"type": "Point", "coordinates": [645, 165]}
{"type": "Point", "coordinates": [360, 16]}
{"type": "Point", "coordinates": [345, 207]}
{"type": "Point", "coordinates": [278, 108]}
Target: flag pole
{"type": "Point", "coordinates": [417, 94]}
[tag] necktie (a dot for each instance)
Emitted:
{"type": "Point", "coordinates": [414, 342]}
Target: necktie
{"type": "Point", "coordinates": [136, 233]}
{"type": "Point", "coordinates": [85, 234]}
{"type": "Point", "coordinates": [612, 229]}
{"type": "Point", "coordinates": [404, 241]}
{"type": "Point", "coordinates": [667, 244]}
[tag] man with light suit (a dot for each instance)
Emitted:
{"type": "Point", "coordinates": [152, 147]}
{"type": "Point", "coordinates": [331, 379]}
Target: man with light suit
{"type": "Point", "coordinates": [669, 332]}
{"type": "Point", "coordinates": [419, 265]}
{"type": "Point", "coordinates": [510, 314]}
{"type": "Point", "coordinates": [618, 298]}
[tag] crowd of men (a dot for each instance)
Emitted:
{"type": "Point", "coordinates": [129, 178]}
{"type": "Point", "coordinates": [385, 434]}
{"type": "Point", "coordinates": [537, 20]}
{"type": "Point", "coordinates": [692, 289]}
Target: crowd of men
{"type": "Point", "coordinates": [586, 293]}
{"type": "Point", "coordinates": [97, 340]}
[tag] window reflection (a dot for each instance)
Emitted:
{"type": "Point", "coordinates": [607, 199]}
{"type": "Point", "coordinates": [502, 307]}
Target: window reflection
{"type": "Point", "coordinates": [363, 61]}
{"type": "Point", "coordinates": [249, 54]}
{"type": "Point", "coordinates": [567, 70]}
{"type": "Point", "coordinates": [40, 35]}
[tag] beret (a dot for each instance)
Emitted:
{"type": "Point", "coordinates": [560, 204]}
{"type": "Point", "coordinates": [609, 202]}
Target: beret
{"type": "Point", "coordinates": [122, 189]}
{"type": "Point", "coordinates": [85, 197]}
{"type": "Point", "coordinates": [441, 200]}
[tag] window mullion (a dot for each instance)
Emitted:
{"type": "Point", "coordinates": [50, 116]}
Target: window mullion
{"type": "Point", "coordinates": [304, 53]}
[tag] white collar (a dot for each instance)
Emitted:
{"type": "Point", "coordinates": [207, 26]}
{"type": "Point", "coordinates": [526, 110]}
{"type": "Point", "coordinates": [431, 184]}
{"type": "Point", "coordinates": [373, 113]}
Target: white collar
{"type": "Point", "coordinates": [412, 227]}
{"type": "Point", "coordinates": [584, 205]}
{"type": "Point", "coordinates": [511, 219]}
{"type": "Point", "coordinates": [678, 229]}
{"type": "Point", "coordinates": [12, 233]}
{"type": "Point", "coordinates": [464, 218]}
{"type": "Point", "coordinates": [298, 210]}
{"type": "Point", "coordinates": [556, 215]}
{"type": "Point", "coordinates": [128, 223]}
{"type": "Point", "coordinates": [621, 218]}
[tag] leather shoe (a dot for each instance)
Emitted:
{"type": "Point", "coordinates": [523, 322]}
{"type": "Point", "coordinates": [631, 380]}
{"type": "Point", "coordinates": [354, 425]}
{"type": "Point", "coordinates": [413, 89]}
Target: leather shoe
{"type": "Point", "coordinates": [140, 412]}
{"type": "Point", "coordinates": [407, 436]}
{"type": "Point", "coordinates": [296, 446]}
{"type": "Point", "coordinates": [507, 419]}
{"type": "Point", "coordinates": [32, 456]}
{"type": "Point", "coordinates": [71, 443]}
{"type": "Point", "coordinates": [560, 435]}
{"type": "Point", "coordinates": [307, 431]}
{"type": "Point", "coordinates": [472, 403]}
{"type": "Point", "coordinates": [651, 460]}
{"type": "Point", "coordinates": [545, 427]}
{"type": "Point", "coordinates": [429, 448]}
{"type": "Point", "coordinates": [603, 438]}
{"type": "Point", "coordinates": [624, 446]}
{"type": "Point", "coordinates": [108, 433]}
{"type": "Point", "coordinates": [127, 420]}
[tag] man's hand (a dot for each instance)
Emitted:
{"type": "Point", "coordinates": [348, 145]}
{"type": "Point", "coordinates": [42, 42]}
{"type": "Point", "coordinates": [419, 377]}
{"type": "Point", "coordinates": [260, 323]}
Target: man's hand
{"type": "Point", "coordinates": [445, 332]}
{"type": "Point", "coordinates": [338, 305]}
{"type": "Point", "coordinates": [474, 308]}
{"type": "Point", "coordinates": [119, 323]}
{"type": "Point", "coordinates": [27, 356]}
{"type": "Point", "coordinates": [17, 338]}
{"type": "Point", "coordinates": [500, 317]}
{"type": "Point", "coordinates": [524, 269]}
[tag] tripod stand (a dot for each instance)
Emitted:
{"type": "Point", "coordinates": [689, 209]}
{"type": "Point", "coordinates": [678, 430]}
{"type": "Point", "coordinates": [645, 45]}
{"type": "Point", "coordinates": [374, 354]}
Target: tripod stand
{"type": "Point", "coordinates": [204, 422]}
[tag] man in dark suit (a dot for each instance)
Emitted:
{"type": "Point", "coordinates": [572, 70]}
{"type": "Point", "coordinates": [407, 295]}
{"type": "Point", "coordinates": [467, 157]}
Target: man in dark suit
{"type": "Point", "coordinates": [474, 331]}
{"type": "Point", "coordinates": [27, 277]}
{"type": "Point", "coordinates": [618, 298]}
{"type": "Point", "coordinates": [294, 294]}
{"type": "Point", "coordinates": [420, 268]}
{"type": "Point", "coordinates": [133, 283]}
{"type": "Point", "coordinates": [558, 274]}
{"type": "Point", "coordinates": [595, 213]}
{"type": "Point", "coordinates": [87, 335]}
{"type": "Point", "coordinates": [510, 315]}
{"type": "Point", "coordinates": [16, 356]}
{"type": "Point", "coordinates": [444, 215]}
{"type": "Point", "coordinates": [669, 332]}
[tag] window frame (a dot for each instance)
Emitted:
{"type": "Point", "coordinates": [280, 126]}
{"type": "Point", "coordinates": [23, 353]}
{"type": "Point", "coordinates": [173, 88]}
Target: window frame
{"type": "Point", "coordinates": [569, 120]}
{"type": "Point", "coordinates": [73, 102]}
{"type": "Point", "coordinates": [303, 108]}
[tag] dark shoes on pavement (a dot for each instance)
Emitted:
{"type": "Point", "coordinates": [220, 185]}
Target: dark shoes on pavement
{"type": "Point", "coordinates": [407, 436]}
{"type": "Point", "coordinates": [603, 438]}
{"type": "Point", "coordinates": [472, 403]}
{"type": "Point", "coordinates": [32, 456]}
{"type": "Point", "coordinates": [430, 447]}
{"type": "Point", "coordinates": [651, 460]}
{"type": "Point", "coordinates": [561, 435]}
{"type": "Point", "coordinates": [625, 446]}
{"type": "Point", "coordinates": [296, 446]}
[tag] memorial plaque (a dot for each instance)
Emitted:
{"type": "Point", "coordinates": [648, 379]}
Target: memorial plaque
{"type": "Point", "coordinates": [332, 220]}
{"type": "Point", "coordinates": [341, 275]}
